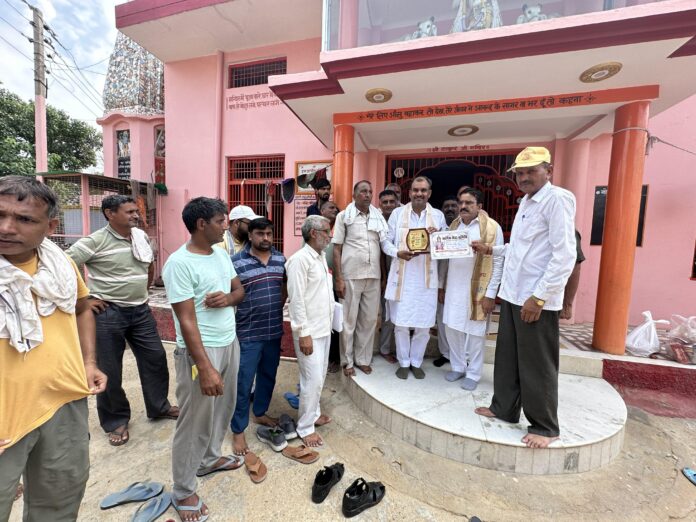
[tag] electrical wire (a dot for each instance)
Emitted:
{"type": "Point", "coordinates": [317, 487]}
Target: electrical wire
{"type": "Point", "coordinates": [17, 11]}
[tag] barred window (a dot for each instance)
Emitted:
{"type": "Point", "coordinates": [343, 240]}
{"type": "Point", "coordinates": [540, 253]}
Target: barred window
{"type": "Point", "coordinates": [256, 73]}
{"type": "Point", "coordinates": [259, 167]}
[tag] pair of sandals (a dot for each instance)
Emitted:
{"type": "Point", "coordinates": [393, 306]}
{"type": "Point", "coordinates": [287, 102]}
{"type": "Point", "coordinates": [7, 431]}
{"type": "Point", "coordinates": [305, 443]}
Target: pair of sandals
{"type": "Point", "coordinates": [152, 492]}
{"type": "Point", "coordinates": [359, 496]}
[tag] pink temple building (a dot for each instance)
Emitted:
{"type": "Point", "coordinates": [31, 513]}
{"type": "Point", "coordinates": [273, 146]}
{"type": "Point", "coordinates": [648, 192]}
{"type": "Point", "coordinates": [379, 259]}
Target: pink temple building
{"type": "Point", "coordinates": [258, 92]}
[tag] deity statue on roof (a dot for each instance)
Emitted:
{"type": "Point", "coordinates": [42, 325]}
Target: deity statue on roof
{"type": "Point", "coordinates": [135, 80]}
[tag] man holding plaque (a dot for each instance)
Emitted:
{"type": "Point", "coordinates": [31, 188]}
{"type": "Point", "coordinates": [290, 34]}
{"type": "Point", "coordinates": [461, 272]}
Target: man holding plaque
{"type": "Point", "coordinates": [468, 286]}
{"type": "Point", "coordinates": [358, 233]}
{"type": "Point", "coordinates": [413, 280]}
{"type": "Point", "coordinates": [538, 261]}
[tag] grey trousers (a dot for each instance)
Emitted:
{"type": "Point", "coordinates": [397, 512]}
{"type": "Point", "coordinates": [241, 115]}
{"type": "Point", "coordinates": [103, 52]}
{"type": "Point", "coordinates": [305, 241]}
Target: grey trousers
{"type": "Point", "coordinates": [360, 312]}
{"type": "Point", "coordinates": [525, 375]}
{"type": "Point", "coordinates": [386, 333]}
{"type": "Point", "coordinates": [54, 459]}
{"type": "Point", "coordinates": [203, 420]}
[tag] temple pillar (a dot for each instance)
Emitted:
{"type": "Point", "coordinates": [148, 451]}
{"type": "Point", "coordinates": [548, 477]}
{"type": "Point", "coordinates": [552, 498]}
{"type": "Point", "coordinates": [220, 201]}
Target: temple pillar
{"type": "Point", "coordinates": [620, 227]}
{"type": "Point", "coordinates": [342, 176]}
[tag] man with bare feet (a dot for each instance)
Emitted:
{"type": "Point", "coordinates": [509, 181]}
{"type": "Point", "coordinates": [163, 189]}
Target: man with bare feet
{"type": "Point", "coordinates": [259, 324]}
{"type": "Point", "coordinates": [358, 233]}
{"type": "Point", "coordinates": [203, 288]}
{"type": "Point", "coordinates": [311, 307]}
{"type": "Point", "coordinates": [538, 261]}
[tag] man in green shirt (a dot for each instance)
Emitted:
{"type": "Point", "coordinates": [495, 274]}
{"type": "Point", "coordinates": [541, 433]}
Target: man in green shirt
{"type": "Point", "coordinates": [119, 260]}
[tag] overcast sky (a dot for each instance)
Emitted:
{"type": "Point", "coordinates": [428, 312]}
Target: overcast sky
{"type": "Point", "coordinates": [85, 27]}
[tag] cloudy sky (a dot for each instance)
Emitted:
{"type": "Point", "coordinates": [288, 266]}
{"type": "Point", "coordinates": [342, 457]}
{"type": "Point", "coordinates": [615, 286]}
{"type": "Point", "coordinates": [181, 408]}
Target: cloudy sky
{"type": "Point", "coordinates": [85, 27]}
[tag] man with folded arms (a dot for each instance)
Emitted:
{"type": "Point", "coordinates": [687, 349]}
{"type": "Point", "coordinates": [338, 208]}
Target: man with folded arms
{"type": "Point", "coordinates": [412, 285]}
{"type": "Point", "coordinates": [203, 288]}
{"type": "Point", "coordinates": [120, 264]}
{"type": "Point", "coordinates": [538, 261]}
{"type": "Point", "coordinates": [468, 287]}
{"type": "Point", "coordinates": [48, 365]}
{"type": "Point", "coordinates": [358, 233]}
{"type": "Point", "coordinates": [311, 308]}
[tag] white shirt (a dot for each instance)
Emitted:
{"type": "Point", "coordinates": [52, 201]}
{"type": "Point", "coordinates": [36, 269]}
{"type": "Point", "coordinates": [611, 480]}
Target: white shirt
{"type": "Point", "coordinates": [459, 271]}
{"type": "Point", "coordinates": [542, 252]}
{"type": "Point", "coordinates": [310, 293]}
{"type": "Point", "coordinates": [361, 247]}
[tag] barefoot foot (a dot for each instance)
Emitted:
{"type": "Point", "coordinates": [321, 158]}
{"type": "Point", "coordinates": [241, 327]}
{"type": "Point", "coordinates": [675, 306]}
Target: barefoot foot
{"type": "Point", "coordinates": [313, 441]}
{"type": "Point", "coordinates": [266, 420]}
{"type": "Point", "coordinates": [239, 444]}
{"type": "Point", "coordinates": [348, 372]}
{"type": "Point", "coordinates": [322, 420]}
{"type": "Point", "coordinates": [532, 440]}
{"type": "Point", "coordinates": [486, 412]}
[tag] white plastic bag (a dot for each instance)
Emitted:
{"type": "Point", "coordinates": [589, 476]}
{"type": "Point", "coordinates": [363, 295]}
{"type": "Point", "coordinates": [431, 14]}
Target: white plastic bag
{"type": "Point", "coordinates": [642, 341]}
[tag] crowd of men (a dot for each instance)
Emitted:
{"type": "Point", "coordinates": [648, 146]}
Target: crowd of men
{"type": "Point", "coordinates": [229, 288]}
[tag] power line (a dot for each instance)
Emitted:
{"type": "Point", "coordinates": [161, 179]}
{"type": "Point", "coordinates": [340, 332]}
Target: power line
{"type": "Point", "coordinates": [17, 30]}
{"type": "Point", "coordinates": [20, 52]}
{"type": "Point", "coordinates": [95, 63]}
{"type": "Point", "coordinates": [17, 11]}
{"type": "Point", "coordinates": [74, 96]}
{"type": "Point", "coordinates": [84, 81]}
{"type": "Point", "coordinates": [69, 79]}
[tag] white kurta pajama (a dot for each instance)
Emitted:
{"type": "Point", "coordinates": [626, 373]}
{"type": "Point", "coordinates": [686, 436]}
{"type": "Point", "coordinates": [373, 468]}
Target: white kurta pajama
{"type": "Point", "coordinates": [416, 306]}
{"type": "Point", "coordinates": [467, 337]}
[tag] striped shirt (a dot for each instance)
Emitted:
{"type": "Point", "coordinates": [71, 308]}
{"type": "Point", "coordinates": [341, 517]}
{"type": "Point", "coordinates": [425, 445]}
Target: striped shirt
{"type": "Point", "coordinates": [260, 314]}
{"type": "Point", "coordinates": [115, 275]}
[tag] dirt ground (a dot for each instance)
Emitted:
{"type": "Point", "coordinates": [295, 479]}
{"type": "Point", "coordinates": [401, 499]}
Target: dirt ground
{"type": "Point", "coordinates": [644, 483]}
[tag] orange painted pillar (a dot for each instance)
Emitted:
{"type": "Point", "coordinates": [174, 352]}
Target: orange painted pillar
{"type": "Point", "coordinates": [342, 176]}
{"type": "Point", "coordinates": [620, 227]}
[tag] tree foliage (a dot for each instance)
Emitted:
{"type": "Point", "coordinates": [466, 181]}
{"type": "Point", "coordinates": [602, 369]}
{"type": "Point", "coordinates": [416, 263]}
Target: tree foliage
{"type": "Point", "coordinates": [72, 144]}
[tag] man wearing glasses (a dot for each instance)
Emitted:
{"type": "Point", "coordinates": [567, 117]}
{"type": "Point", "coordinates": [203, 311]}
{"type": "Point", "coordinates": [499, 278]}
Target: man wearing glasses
{"type": "Point", "coordinates": [237, 235]}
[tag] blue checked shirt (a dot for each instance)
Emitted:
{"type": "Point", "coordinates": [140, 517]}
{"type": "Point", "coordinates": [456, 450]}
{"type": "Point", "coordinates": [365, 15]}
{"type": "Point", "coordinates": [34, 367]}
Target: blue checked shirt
{"type": "Point", "coordinates": [260, 314]}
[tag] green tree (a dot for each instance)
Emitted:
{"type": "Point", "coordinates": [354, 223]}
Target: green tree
{"type": "Point", "coordinates": [72, 144]}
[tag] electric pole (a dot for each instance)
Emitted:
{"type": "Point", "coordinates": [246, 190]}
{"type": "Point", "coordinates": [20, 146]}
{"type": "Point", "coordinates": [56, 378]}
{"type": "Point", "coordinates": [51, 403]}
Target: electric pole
{"type": "Point", "coordinates": [40, 93]}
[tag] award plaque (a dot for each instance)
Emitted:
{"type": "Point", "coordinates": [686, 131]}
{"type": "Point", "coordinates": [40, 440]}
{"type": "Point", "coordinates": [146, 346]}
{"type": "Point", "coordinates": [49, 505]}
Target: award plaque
{"type": "Point", "coordinates": [418, 240]}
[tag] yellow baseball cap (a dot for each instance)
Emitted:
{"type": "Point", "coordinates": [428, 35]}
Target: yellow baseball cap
{"type": "Point", "coordinates": [531, 156]}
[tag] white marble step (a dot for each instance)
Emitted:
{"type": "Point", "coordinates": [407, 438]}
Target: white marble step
{"type": "Point", "coordinates": [438, 416]}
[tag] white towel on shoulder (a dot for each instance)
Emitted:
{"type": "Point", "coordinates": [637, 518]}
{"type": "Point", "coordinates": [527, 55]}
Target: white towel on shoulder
{"type": "Point", "coordinates": [54, 285]}
{"type": "Point", "coordinates": [140, 246]}
{"type": "Point", "coordinates": [375, 220]}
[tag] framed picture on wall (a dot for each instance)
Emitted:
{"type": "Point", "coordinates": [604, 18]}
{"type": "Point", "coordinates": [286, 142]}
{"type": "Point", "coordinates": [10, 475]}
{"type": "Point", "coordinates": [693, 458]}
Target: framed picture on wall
{"type": "Point", "coordinates": [306, 170]}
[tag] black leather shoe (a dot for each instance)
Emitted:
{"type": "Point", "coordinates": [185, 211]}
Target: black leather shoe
{"type": "Point", "coordinates": [440, 361]}
{"type": "Point", "coordinates": [362, 495]}
{"type": "Point", "coordinates": [326, 479]}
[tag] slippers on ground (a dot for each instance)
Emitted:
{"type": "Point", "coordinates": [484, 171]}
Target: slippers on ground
{"type": "Point", "coordinates": [225, 466]}
{"type": "Point", "coordinates": [136, 492]}
{"type": "Point", "coordinates": [361, 495]}
{"type": "Point", "coordinates": [122, 433]}
{"type": "Point", "coordinates": [190, 509]}
{"type": "Point", "coordinates": [301, 454]}
{"type": "Point", "coordinates": [690, 474]}
{"type": "Point", "coordinates": [293, 400]}
{"type": "Point", "coordinates": [255, 467]}
{"type": "Point", "coordinates": [326, 479]}
{"type": "Point", "coordinates": [152, 509]}
{"type": "Point", "coordinates": [168, 415]}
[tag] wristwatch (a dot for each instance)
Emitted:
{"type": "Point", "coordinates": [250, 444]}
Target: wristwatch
{"type": "Point", "coordinates": [539, 302]}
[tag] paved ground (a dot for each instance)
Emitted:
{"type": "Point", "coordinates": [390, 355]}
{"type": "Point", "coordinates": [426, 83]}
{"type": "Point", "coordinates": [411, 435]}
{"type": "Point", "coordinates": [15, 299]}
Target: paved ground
{"type": "Point", "coordinates": [644, 483]}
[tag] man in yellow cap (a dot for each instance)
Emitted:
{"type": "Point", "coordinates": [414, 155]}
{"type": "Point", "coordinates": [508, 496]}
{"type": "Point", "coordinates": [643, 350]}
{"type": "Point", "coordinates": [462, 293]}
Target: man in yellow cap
{"type": "Point", "coordinates": [538, 261]}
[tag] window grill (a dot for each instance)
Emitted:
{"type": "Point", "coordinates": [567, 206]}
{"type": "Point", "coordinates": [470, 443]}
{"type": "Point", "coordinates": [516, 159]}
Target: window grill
{"type": "Point", "coordinates": [255, 73]}
{"type": "Point", "coordinates": [253, 182]}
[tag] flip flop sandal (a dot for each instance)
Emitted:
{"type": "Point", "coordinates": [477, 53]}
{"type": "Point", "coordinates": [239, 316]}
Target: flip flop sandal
{"type": "Point", "coordinates": [255, 467]}
{"type": "Point", "coordinates": [301, 454]}
{"type": "Point", "coordinates": [167, 416]}
{"type": "Point", "coordinates": [362, 495]}
{"type": "Point", "coordinates": [152, 509]}
{"type": "Point", "coordinates": [223, 467]}
{"type": "Point", "coordinates": [197, 507]}
{"type": "Point", "coordinates": [286, 424]}
{"type": "Point", "coordinates": [136, 492]}
{"type": "Point", "coordinates": [326, 479]}
{"type": "Point", "coordinates": [125, 436]}
{"type": "Point", "coordinates": [293, 399]}
{"type": "Point", "coordinates": [690, 474]}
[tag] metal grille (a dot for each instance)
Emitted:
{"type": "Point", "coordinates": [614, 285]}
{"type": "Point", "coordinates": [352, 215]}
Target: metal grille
{"type": "Point", "coordinates": [485, 172]}
{"type": "Point", "coordinates": [80, 197]}
{"type": "Point", "coordinates": [256, 73]}
{"type": "Point", "coordinates": [260, 168]}
{"type": "Point", "coordinates": [262, 195]}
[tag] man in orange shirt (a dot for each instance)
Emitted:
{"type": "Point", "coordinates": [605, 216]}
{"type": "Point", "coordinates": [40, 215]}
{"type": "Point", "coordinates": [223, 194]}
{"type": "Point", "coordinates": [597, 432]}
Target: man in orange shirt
{"type": "Point", "coordinates": [47, 359]}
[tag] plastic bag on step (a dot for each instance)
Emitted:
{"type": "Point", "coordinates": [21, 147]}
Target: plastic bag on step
{"type": "Point", "coordinates": [643, 340]}
{"type": "Point", "coordinates": [682, 340]}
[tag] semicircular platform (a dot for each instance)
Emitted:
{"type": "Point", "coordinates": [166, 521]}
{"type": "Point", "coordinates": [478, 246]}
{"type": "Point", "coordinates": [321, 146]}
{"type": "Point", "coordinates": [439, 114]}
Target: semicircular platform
{"type": "Point", "coordinates": [438, 416]}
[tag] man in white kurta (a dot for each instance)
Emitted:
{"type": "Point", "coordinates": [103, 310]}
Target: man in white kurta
{"type": "Point", "coordinates": [411, 290]}
{"type": "Point", "coordinates": [465, 330]}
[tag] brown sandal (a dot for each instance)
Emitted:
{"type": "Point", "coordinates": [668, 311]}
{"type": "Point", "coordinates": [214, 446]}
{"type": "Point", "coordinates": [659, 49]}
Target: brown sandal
{"type": "Point", "coordinates": [255, 467]}
{"type": "Point", "coordinates": [301, 454]}
{"type": "Point", "coordinates": [122, 433]}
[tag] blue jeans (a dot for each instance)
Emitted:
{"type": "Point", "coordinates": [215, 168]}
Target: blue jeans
{"type": "Point", "coordinates": [258, 359]}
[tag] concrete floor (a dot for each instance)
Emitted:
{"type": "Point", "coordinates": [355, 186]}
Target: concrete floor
{"type": "Point", "coordinates": [644, 483]}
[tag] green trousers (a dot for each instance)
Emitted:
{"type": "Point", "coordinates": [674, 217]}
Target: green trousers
{"type": "Point", "coordinates": [525, 375]}
{"type": "Point", "coordinates": [54, 459]}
